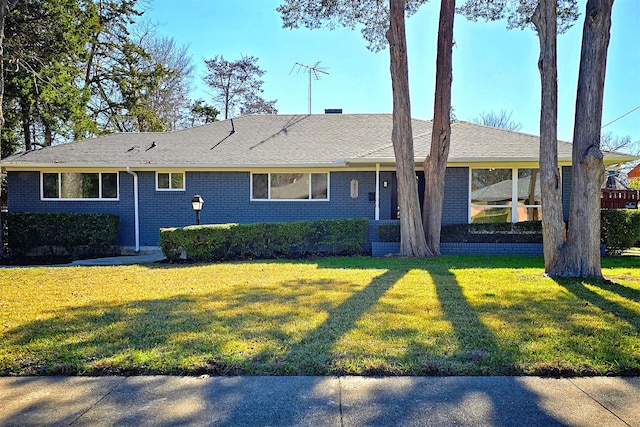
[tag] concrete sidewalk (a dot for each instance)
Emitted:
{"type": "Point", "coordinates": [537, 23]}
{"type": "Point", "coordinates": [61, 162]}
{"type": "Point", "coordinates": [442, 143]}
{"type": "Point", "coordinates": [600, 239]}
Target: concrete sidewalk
{"type": "Point", "coordinates": [143, 258]}
{"type": "Point", "coordinates": [319, 401]}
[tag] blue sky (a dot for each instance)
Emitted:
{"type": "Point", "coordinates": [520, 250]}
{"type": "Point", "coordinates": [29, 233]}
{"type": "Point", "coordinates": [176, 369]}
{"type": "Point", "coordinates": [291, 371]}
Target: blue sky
{"type": "Point", "coordinates": [494, 69]}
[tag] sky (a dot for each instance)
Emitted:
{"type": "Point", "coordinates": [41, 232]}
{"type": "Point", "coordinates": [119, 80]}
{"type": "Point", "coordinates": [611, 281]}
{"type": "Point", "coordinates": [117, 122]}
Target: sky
{"type": "Point", "coordinates": [493, 69]}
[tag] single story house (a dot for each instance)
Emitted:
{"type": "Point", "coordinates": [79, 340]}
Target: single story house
{"type": "Point", "coordinates": [271, 168]}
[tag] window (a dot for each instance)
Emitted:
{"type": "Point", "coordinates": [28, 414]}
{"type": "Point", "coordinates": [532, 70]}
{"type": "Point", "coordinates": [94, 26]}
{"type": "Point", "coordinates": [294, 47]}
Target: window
{"type": "Point", "coordinates": [505, 195]}
{"type": "Point", "coordinates": [290, 186]}
{"type": "Point", "coordinates": [170, 181]}
{"type": "Point", "coordinates": [79, 185]}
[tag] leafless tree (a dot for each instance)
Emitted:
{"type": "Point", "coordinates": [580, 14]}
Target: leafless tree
{"type": "Point", "coordinates": [237, 85]}
{"type": "Point", "coordinates": [169, 98]}
{"type": "Point", "coordinates": [501, 119]}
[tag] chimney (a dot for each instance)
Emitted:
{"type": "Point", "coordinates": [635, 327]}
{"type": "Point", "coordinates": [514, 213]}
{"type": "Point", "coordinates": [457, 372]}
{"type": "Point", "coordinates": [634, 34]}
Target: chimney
{"type": "Point", "coordinates": [333, 110]}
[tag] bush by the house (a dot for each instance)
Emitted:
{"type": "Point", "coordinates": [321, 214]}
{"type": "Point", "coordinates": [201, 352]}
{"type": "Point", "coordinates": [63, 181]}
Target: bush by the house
{"type": "Point", "coordinates": [522, 232]}
{"type": "Point", "coordinates": [389, 232]}
{"type": "Point", "coordinates": [69, 234]}
{"type": "Point", "coordinates": [620, 229]}
{"type": "Point", "coordinates": [263, 240]}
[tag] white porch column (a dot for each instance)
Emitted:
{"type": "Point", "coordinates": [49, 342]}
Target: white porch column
{"type": "Point", "coordinates": [377, 214]}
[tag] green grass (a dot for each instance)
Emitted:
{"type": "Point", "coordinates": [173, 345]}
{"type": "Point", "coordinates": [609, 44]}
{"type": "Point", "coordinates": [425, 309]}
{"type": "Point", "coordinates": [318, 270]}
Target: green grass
{"type": "Point", "coordinates": [351, 316]}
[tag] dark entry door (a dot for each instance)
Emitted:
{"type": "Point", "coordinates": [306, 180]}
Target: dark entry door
{"type": "Point", "coordinates": [394, 214]}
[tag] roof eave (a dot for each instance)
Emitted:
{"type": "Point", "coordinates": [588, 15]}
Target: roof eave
{"type": "Point", "coordinates": [455, 160]}
{"type": "Point", "coordinates": [144, 167]}
{"type": "Point", "coordinates": [608, 160]}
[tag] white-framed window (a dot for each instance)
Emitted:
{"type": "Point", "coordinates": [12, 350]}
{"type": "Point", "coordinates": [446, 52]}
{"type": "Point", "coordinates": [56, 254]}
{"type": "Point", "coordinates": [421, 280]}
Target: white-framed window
{"type": "Point", "coordinates": [79, 185]}
{"type": "Point", "coordinates": [169, 181]}
{"type": "Point", "coordinates": [504, 195]}
{"type": "Point", "coordinates": [290, 186]}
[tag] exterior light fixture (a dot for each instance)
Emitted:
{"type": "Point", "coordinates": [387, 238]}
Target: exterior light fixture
{"type": "Point", "coordinates": [197, 203]}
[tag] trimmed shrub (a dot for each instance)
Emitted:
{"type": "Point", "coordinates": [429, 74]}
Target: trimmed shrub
{"type": "Point", "coordinates": [196, 241]}
{"type": "Point", "coordinates": [620, 229]}
{"type": "Point", "coordinates": [263, 240]}
{"type": "Point", "coordinates": [389, 232]}
{"type": "Point", "coordinates": [522, 232]}
{"type": "Point", "coordinates": [77, 235]}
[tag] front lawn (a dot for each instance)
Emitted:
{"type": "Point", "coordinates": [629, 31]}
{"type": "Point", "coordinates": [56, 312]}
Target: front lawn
{"type": "Point", "coordinates": [452, 315]}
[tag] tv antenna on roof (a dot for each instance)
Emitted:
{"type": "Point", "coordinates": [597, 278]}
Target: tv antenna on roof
{"type": "Point", "coordinates": [313, 72]}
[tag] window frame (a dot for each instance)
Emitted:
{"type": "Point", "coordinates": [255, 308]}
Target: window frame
{"type": "Point", "coordinates": [184, 181]}
{"type": "Point", "coordinates": [100, 197]}
{"type": "Point", "coordinates": [515, 205]}
{"type": "Point", "coordinates": [310, 178]}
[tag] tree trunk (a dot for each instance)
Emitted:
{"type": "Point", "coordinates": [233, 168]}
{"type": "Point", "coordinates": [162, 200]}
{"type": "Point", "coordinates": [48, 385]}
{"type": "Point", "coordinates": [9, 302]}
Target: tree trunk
{"type": "Point", "coordinates": [4, 10]}
{"type": "Point", "coordinates": [412, 242]}
{"type": "Point", "coordinates": [25, 117]}
{"type": "Point", "coordinates": [48, 134]}
{"type": "Point", "coordinates": [545, 21]}
{"type": "Point", "coordinates": [580, 256]}
{"type": "Point", "coordinates": [435, 165]}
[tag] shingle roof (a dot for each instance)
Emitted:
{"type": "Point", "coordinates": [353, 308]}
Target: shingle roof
{"type": "Point", "coordinates": [285, 141]}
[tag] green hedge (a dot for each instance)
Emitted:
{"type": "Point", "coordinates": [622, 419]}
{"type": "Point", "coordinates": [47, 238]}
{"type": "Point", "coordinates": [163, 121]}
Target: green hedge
{"type": "Point", "coordinates": [264, 240]}
{"type": "Point", "coordinates": [79, 235]}
{"type": "Point", "coordinates": [522, 232]}
{"type": "Point", "coordinates": [389, 232]}
{"type": "Point", "coordinates": [620, 229]}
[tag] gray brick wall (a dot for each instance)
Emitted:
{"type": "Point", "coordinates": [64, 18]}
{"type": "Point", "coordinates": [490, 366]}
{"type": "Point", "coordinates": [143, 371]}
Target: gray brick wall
{"type": "Point", "coordinates": [455, 209]}
{"type": "Point", "coordinates": [566, 191]}
{"type": "Point", "coordinates": [226, 196]}
{"type": "Point", "coordinates": [227, 199]}
{"type": "Point", "coordinates": [384, 249]}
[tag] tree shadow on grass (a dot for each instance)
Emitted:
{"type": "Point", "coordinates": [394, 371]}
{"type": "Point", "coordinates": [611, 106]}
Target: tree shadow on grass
{"type": "Point", "coordinates": [622, 290]}
{"type": "Point", "coordinates": [578, 287]}
{"type": "Point", "coordinates": [313, 354]}
{"type": "Point", "coordinates": [104, 339]}
{"type": "Point", "coordinates": [478, 350]}
{"type": "Point", "coordinates": [238, 333]}
{"type": "Point", "coordinates": [182, 334]}
{"type": "Point", "coordinates": [174, 335]}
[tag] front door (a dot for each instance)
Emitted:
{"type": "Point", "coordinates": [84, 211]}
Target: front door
{"type": "Point", "coordinates": [395, 213]}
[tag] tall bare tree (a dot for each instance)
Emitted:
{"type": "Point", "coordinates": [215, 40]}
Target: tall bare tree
{"type": "Point", "coordinates": [412, 242]}
{"type": "Point", "coordinates": [611, 142]}
{"type": "Point", "coordinates": [237, 85]}
{"type": "Point", "coordinates": [501, 119]}
{"type": "Point", "coordinates": [169, 98]}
